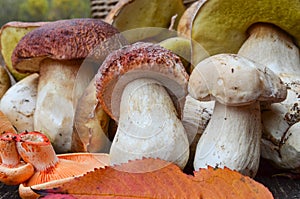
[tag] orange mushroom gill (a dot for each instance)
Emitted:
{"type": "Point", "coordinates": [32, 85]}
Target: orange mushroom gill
{"type": "Point", "coordinates": [52, 170]}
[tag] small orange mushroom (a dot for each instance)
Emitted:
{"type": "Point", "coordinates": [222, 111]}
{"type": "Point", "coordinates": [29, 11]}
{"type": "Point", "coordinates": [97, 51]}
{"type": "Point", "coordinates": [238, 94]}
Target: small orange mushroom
{"type": "Point", "coordinates": [52, 170]}
{"type": "Point", "coordinates": [13, 171]}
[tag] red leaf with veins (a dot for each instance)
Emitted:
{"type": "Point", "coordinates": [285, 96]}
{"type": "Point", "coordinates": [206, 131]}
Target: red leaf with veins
{"type": "Point", "coordinates": [154, 178]}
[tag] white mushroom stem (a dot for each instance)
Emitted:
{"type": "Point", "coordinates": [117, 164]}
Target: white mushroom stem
{"type": "Point", "coordinates": [196, 115]}
{"type": "Point", "coordinates": [148, 126]}
{"type": "Point", "coordinates": [54, 105]}
{"type": "Point", "coordinates": [275, 49]}
{"type": "Point", "coordinates": [231, 123]}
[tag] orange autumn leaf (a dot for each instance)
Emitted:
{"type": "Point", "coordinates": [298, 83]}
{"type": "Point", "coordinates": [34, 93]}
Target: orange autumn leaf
{"type": "Point", "coordinates": [154, 178]}
{"type": "Point", "coordinates": [5, 124]}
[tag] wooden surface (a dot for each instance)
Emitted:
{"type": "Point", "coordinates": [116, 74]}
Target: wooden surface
{"type": "Point", "coordinates": [281, 187]}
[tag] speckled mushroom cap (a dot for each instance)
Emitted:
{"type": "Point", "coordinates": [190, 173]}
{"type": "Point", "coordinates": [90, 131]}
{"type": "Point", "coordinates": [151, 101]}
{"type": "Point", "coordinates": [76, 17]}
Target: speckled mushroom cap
{"type": "Point", "coordinates": [139, 60]}
{"type": "Point", "coordinates": [63, 40]}
{"type": "Point", "coordinates": [234, 80]}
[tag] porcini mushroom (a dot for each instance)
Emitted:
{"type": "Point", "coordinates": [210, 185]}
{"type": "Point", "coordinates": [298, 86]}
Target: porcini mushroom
{"type": "Point", "coordinates": [56, 50]}
{"type": "Point", "coordinates": [52, 170]}
{"type": "Point", "coordinates": [232, 137]}
{"type": "Point", "coordinates": [13, 171]}
{"type": "Point", "coordinates": [135, 86]}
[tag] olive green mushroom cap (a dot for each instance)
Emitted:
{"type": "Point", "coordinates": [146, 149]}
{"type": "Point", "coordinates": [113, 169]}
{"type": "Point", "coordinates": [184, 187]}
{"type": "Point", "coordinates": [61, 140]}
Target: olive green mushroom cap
{"type": "Point", "coordinates": [62, 40]}
{"type": "Point", "coordinates": [220, 26]}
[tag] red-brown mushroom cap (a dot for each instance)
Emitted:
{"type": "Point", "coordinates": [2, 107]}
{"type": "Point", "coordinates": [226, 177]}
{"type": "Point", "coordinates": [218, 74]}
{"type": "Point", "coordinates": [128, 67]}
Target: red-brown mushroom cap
{"type": "Point", "coordinates": [62, 40]}
{"type": "Point", "coordinates": [139, 60]}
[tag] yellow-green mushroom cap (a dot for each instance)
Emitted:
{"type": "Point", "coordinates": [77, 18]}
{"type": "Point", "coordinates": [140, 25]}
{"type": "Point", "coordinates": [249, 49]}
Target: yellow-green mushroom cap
{"type": "Point", "coordinates": [220, 26]}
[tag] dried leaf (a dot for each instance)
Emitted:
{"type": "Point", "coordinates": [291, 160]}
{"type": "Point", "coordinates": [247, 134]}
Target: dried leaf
{"type": "Point", "coordinates": [154, 178]}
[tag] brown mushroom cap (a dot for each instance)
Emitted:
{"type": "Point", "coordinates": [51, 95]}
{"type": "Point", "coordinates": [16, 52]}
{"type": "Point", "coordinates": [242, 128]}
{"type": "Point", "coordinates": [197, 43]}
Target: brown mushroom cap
{"type": "Point", "coordinates": [139, 60]}
{"type": "Point", "coordinates": [61, 40]}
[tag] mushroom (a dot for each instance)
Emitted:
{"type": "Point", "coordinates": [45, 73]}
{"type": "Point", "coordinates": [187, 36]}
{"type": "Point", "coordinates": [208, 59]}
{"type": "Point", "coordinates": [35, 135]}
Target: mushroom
{"type": "Point", "coordinates": [56, 50]}
{"type": "Point", "coordinates": [19, 102]}
{"type": "Point", "coordinates": [135, 86]}
{"type": "Point", "coordinates": [232, 137]}
{"type": "Point", "coordinates": [13, 171]}
{"type": "Point", "coordinates": [52, 170]}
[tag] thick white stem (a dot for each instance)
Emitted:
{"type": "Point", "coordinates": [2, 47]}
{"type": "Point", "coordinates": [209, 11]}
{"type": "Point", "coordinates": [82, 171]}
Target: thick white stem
{"type": "Point", "coordinates": [149, 126]}
{"type": "Point", "coordinates": [275, 49]}
{"type": "Point", "coordinates": [231, 139]}
{"type": "Point", "coordinates": [54, 105]}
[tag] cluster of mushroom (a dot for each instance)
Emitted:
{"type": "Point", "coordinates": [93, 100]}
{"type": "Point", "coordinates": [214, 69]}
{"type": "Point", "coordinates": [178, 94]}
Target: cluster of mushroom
{"type": "Point", "coordinates": [29, 160]}
{"type": "Point", "coordinates": [266, 32]}
{"type": "Point", "coordinates": [131, 87]}
{"type": "Point", "coordinates": [146, 90]}
{"type": "Point", "coordinates": [47, 99]}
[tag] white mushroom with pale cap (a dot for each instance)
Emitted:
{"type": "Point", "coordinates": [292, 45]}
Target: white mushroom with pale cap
{"type": "Point", "coordinates": [232, 137]}
{"type": "Point", "coordinates": [135, 86]}
{"type": "Point", "coordinates": [56, 50]}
